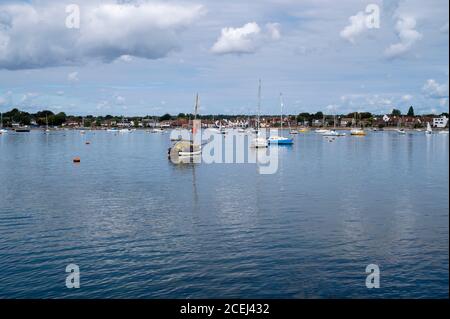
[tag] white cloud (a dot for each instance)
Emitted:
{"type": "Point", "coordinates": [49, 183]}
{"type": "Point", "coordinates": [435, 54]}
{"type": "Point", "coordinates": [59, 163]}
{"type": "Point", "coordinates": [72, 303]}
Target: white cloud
{"type": "Point", "coordinates": [120, 100]}
{"type": "Point", "coordinates": [407, 97]}
{"type": "Point", "coordinates": [408, 36]}
{"type": "Point", "coordinates": [246, 39]}
{"type": "Point", "coordinates": [35, 36]}
{"type": "Point", "coordinates": [125, 58]}
{"type": "Point", "coordinates": [435, 90]}
{"type": "Point", "coordinates": [356, 27]}
{"type": "Point", "coordinates": [73, 77]}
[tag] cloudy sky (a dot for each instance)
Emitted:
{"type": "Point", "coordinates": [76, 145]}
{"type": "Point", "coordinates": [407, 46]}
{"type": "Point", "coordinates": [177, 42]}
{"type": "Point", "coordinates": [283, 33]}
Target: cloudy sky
{"type": "Point", "coordinates": [151, 57]}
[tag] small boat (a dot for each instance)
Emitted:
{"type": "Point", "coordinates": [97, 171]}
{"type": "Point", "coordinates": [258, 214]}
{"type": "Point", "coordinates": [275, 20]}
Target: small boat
{"type": "Point", "coordinates": [241, 130]}
{"type": "Point", "coordinates": [157, 130]}
{"type": "Point", "coordinates": [188, 153]}
{"type": "Point", "coordinates": [401, 131]}
{"type": "Point", "coordinates": [259, 141]}
{"type": "Point", "coordinates": [293, 132]}
{"type": "Point", "coordinates": [187, 149]}
{"type": "Point", "coordinates": [358, 132]}
{"type": "Point", "coordinates": [321, 131]}
{"type": "Point", "coordinates": [112, 130]}
{"type": "Point", "coordinates": [333, 133]}
{"type": "Point", "coordinates": [124, 130]}
{"type": "Point", "coordinates": [303, 130]}
{"type": "Point", "coordinates": [22, 130]}
{"type": "Point", "coordinates": [280, 140]}
{"type": "Point", "coordinates": [46, 124]}
{"type": "Point", "coordinates": [443, 132]}
{"type": "Point", "coordinates": [429, 130]}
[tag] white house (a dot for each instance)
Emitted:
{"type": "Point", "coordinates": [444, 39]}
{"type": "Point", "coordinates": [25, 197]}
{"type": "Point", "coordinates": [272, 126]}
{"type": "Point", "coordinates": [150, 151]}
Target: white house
{"type": "Point", "coordinates": [386, 118]}
{"type": "Point", "coordinates": [440, 122]}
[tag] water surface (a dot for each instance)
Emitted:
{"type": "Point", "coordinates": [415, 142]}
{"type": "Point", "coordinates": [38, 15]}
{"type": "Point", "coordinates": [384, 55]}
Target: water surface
{"type": "Point", "coordinates": [141, 227]}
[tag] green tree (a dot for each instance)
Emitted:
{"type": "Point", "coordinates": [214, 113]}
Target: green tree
{"type": "Point", "coordinates": [165, 117]}
{"type": "Point", "coordinates": [318, 115]}
{"type": "Point", "coordinates": [396, 112]}
{"type": "Point", "coordinates": [411, 111]}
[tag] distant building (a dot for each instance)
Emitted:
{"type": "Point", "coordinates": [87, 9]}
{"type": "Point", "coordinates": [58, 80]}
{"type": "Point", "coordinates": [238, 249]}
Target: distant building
{"type": "Point", "coordinates": [346, 121]}
{"type": "Point", "coordinates": [440, 122]}
{"type": "Point", "coordinates": [317, 123]}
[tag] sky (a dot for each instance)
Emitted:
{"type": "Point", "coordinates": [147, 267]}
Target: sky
{"type": "Point", "coordinates": [152, 57]}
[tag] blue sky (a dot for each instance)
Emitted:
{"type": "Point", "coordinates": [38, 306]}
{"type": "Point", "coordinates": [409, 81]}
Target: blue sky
{"type": "Point", "coordinates": [151, 57]}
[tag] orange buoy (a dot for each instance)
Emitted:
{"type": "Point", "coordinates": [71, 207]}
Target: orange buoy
{"type": "Point", "coordinates": [76, 160]}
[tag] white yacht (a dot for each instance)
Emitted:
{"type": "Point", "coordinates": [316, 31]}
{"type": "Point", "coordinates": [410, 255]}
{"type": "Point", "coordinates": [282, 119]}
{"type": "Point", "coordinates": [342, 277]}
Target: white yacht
{"type": "Point", "coordinates": [429, 129]}
{"type": "Point", "coordinates": [259, 141]}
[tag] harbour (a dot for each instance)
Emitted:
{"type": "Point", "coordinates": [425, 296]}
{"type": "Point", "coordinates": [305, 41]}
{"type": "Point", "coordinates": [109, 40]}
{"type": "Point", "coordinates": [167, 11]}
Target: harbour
{"type": "Point", "coordinates": [140, 226]}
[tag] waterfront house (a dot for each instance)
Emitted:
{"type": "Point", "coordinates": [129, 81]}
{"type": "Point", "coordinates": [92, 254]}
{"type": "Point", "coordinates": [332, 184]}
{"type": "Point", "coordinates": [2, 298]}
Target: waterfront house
{"type": "Point", "coordinates": [440, 122]}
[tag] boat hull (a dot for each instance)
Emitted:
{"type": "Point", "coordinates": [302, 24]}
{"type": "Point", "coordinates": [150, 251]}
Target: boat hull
{"type": "Point", "coordinates": [288, 141]}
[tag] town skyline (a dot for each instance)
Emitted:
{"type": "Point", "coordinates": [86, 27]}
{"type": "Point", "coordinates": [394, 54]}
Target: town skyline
{"type": "Point", "coordinates": [318, 54]}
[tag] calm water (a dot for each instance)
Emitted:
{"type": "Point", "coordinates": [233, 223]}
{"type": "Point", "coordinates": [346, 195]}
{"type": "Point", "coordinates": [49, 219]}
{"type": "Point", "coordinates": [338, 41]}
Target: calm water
{"type": "Point", "coordinates": [141, 227]}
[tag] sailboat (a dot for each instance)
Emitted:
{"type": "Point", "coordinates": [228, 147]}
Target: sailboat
{"type": "Point", "coordinates": [46, 124]}
{"type": "Point", "coordinates": [1, 125]}
{"type": "Point", "coordinates": [259, 141]}
{"type": "Point", "coordinates": [399, 129]}
{"type": "Point", "coordinates": [188, 148]}
{"type": "Point", "coordinates": [333, 132]}
{"type": "Point", "coordinates": [429, 130]}
{"type": "Point", "coordinates": [280, 140]}
{"type": "Point", "coordinates": [357, 131]}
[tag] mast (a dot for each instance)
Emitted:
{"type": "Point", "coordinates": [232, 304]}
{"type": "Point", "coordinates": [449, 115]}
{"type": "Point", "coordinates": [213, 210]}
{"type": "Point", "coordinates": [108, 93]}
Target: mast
{"type": "Point", "coordinates": [196, 107]}
{"type": "Point", "coordinates": [259, 107]}
{"type": "Point", "coordinates": [281, 115]}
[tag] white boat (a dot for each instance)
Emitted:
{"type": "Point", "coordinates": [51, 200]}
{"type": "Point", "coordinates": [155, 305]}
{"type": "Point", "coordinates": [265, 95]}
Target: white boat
{"type": "Point", "coordinates": [401, 131]}
{"type": "Point", "coordinates": [241, 130]}
{"type": "Point", "coordinates": [333, 133]}
{"type": "Point", "coordinates": [293, 132]}
{"type": "Point", "coordinates": [157, 130]}
{"type": "Point", "coordinates": [357, 132]}
{"type": "Point", "coordinates": [259, 141]}
{"type": "Point", "coordinates": [443, 132]}
{"type": "Point", "coordinates": [124, 130]}
{"type": "Point", "coordinates": [188, 153]}
{"type": "Point", "coordinates": [429, 129]}
{"type": "Point", "coordinates": [112, 130]}
{"type": "Point", "coordinates": [321, 131]}
{"type": "Point", "coordinates": [46, 124]}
